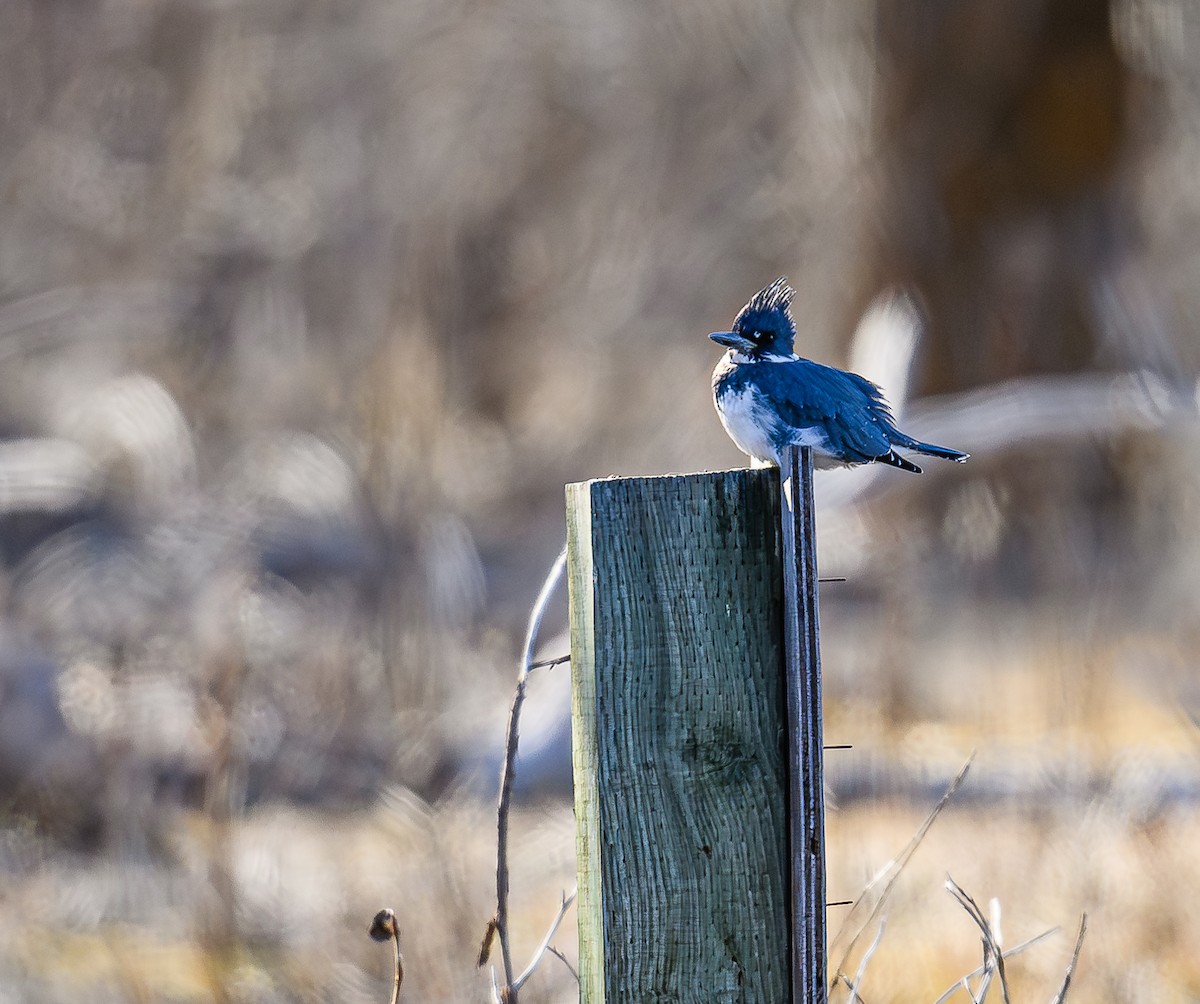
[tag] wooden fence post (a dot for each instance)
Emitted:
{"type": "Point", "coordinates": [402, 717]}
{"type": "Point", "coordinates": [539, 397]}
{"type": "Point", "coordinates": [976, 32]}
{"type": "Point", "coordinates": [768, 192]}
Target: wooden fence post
{"type": "Point", "coordinates": [806, 754]}
{"type": "Point", "coordinates": [680, 721]}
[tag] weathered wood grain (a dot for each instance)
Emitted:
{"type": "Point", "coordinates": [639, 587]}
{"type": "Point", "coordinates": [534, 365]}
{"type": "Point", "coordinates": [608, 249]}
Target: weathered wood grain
{"type": "Point", "coordinates": [680, 714]}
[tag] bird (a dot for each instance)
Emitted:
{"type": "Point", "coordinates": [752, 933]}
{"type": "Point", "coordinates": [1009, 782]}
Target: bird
{"type": "Point", "coordinates": [770, 399]}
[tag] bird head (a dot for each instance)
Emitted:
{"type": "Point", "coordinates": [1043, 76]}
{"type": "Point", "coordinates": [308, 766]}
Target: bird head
{"type": "Point", "coordinates": [764, 326]}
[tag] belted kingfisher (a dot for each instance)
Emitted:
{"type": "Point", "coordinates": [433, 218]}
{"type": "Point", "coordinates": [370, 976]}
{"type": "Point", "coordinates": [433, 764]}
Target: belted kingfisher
{"type": "Point", "coordinates": [769, 398]}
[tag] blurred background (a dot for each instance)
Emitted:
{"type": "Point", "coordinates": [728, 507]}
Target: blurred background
{"type": "Point", "coordinates": [309, 310]}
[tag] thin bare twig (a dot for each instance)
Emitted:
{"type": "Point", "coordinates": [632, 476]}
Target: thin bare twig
{"type": "Point", "coordinates": [862, 966]}
{"type": "Point", "coordinates": [965, 985]}
{"type": "Point", "coordinates": [384, 928]}
{"type": "Point", "coordinates": [550, 663]}
{"type": "Point", "coordinates": [1015, 950]}
{"type": "Point", "coordinates": [564, 960]}
{"type": "Point", "coordinates": [993, 955]}
{"type": "Point", "coordinates": [893, 869]}
{"type": "Point", "coordinates": [508, 773]}
{"type": "Point", "coordinates": [990, 967]}
{"type": "Point", "coordinates": [1066, 983]}
{"type": "Point", "coordinates": [544, 947]}
{"type": "Point", "coordinates": [994, 922]}
{"type": "Point", "coordinates": [843, 978]}
{"type": "Point", "coordinates": [973, 911]}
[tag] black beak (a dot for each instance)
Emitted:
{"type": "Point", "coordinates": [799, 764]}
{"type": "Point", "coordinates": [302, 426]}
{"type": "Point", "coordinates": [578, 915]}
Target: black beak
{"type": "Point", "coordinates": [732, 340]}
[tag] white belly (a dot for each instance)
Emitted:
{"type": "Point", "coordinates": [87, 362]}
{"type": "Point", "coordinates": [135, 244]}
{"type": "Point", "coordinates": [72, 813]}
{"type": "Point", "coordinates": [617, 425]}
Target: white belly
{"type": "Point", "coordinates": [750, 423]}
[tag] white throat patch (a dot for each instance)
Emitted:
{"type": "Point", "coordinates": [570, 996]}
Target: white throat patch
{"type": "Point", "coordinates": [740, 358]}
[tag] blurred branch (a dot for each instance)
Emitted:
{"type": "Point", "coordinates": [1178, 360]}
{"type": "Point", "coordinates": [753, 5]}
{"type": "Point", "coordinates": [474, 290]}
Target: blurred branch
{"type": "Point", "coordinates": [1037, 408]}
{"type": "Point", "coordinates": [498, 925]}
{"type": "Point", "coordinates": [1029, 410]}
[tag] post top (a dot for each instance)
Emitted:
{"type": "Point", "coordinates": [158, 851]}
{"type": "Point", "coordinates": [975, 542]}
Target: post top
{"type": "Point", "coordinates": [697, 476]}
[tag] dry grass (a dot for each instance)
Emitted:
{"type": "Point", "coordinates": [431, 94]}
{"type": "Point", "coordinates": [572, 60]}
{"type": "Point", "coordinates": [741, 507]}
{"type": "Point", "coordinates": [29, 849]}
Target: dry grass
{"type": "Point", "coordinates": [307, 883]}
{"type": "Point", "coordinates": [307, 887]}
{"type": "Point", "coordinates": [1135, 883]}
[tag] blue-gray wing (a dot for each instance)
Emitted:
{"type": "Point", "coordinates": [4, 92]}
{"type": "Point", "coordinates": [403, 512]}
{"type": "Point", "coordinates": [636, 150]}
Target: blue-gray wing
{"type": "Point", "coordinates": [850, 409]}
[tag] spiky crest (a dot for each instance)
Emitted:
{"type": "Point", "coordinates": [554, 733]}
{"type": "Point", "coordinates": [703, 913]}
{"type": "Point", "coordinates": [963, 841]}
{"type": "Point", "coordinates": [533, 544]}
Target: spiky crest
{"type": "Point", "coordinates": [777, 296]}
{"type": "Point", "coordinates": [767, 318]}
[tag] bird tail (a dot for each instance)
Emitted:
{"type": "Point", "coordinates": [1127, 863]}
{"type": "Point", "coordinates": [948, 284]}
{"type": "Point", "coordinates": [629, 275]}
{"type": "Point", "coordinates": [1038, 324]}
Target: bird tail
{"type": "Point", "coordinates": [893, 459]}
{"type": "Point", "coordinates": [930, 450]}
